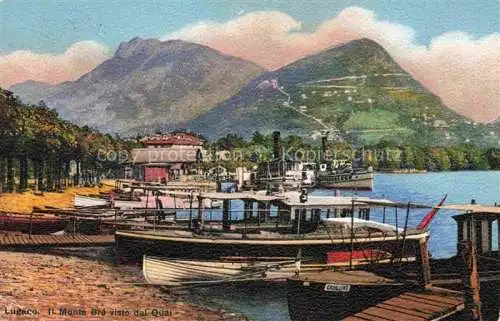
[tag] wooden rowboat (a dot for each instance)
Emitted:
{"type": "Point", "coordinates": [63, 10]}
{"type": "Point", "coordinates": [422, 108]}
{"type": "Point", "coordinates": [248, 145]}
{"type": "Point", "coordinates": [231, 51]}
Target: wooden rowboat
{"type": "Point", "coordinates": [86, 201]}
{"type": "Point", "coordinates": [36, 224]}
{"type": "Point", "coordinates": [177, 272]}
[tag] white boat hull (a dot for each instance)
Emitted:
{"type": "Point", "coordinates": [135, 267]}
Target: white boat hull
{"type": "Point", "coordinates": [86, 201]}
{"type": "Point", "coordinates": [176, 272]}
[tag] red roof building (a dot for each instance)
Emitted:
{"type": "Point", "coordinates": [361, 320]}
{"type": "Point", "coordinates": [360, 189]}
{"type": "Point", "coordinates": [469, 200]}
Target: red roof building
{"type": "Point", "coordinates": [176, 139]}
{"type": "Point", "coordinates": [167, 157]}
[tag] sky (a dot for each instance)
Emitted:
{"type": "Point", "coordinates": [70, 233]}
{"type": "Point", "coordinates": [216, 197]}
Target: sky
{"type": "Point", "coordinates": [450, 46]}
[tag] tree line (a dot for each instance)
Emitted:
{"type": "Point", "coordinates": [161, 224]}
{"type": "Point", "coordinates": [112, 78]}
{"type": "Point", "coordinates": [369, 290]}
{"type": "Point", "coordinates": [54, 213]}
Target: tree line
{"type": "Point", "coordinates": [37, 148]}
{"type": "Point", "coordinates": [381, 156]}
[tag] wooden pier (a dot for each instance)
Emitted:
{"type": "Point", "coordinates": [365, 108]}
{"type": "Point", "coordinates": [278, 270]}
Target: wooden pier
{"type": "Point", "coordinates": [9, 240]}
{"type": "Point", "coordinates": [430, 305]}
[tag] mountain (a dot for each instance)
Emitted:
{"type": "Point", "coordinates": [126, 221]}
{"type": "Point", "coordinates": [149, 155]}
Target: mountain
{"type": "Point", "coordinates": [146, 84]}
{"type": "Point", "coordinates": [356, 91]}
{"type": "Point", "coordinates": [32, 91]}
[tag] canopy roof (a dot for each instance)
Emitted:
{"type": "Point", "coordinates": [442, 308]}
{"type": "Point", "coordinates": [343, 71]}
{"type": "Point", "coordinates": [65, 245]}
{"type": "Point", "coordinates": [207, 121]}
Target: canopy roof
{"type": "Point", "coordinates": [472, 208]}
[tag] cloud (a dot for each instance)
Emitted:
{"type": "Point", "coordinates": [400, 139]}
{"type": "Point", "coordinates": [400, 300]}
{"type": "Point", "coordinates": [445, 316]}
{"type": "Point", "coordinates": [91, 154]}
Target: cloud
{"type": "Point", "coordinates": [463, 71]}
{"type": "Point", "coordinates": [78, 59]}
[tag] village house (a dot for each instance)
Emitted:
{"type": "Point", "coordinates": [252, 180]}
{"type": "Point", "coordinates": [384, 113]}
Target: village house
{"type": "Point", "coordinates": [167, 157]}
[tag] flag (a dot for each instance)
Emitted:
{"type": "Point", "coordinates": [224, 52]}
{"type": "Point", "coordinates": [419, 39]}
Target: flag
{"type": "Point", "coordinates": [428, 218]}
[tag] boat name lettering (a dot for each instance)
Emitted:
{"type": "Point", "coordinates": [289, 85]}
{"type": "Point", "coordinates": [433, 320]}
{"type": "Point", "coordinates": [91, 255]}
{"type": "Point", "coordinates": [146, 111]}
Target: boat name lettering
{"type": "Point", "coordinates": [332, 287]}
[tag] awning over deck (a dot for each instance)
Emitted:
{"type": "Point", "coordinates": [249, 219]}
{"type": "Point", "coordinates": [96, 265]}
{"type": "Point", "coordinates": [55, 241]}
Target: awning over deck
{"type": "Point", "coordinates": [472, 208]}
{"type": "Point", "coordinates": [259, 197]}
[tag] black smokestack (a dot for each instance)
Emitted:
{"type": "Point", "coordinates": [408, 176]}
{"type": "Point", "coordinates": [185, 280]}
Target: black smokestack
{"type": "Point", "coordinates": [323, 147]}
{"type": "Point", "coordinates": [277, 144]}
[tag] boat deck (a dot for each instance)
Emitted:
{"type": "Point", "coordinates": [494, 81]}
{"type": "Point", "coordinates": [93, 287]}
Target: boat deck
{"type": "Point", "coordinates": [269, 235]}
{"type": "Point", "coordinates": [432, 304]}
{"type": "Point", "coordinates": [355, 277]}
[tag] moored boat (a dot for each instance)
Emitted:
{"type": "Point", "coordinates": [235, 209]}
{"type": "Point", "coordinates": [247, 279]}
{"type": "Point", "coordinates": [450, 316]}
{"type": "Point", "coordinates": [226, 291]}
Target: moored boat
{"type": "Point", "coordinates": [334, 295]}
{"type": "Point", "coordinates": [34, 224]}
{"type": "Point", "coordinates": [280, 225]}
{"type": "Point", "coordinates": [341, 175]}
{"type": "Point", "coordinates": [87, 201]}
{"type": "Point", "coordinates": [178, 272]}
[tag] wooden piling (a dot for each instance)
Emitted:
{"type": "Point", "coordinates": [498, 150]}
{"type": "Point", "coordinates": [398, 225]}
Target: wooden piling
{"type": "Point", "coordinates": [470, 278]}
{"type": "Point", "coordinates": [423, 265]}
{"type": "Point", "coordinates": [226, 223]}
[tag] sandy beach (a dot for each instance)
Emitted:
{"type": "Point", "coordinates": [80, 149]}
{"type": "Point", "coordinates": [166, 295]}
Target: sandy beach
{"type": "Point", "coordinates": [71, 284]}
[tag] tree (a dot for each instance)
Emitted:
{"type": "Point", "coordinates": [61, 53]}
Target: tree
{"type": "Point", "coordinates": [457, 158]}
{"type": "Point", "coordinates": [493, 157]}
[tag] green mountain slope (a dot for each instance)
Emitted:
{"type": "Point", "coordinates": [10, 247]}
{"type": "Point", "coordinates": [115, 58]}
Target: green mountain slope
{"type": "Point", "coordinates": [357, 92]}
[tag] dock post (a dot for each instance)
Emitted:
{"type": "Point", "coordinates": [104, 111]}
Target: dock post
{"type": "Point", "coordinates": [225, 215]}
{"type": "Point", "coordinates": [352, 235]}
{"type": "Point", "coordinates": [486, 235]}
{"type": "Point", "coordinates": [471, 282]}
{"type": "Point", "coordinates": [31, 223]}
{"type": "Point", "coordinates": [116, 214]}
{"type": "Point", "coordinates": [423, 265]}
{"type": "Point", "coordinates": [200, 211]}
{"type": "Point", "coordinates": [74, 224]}
{"type": "Point", "coordinates": [261, 211]}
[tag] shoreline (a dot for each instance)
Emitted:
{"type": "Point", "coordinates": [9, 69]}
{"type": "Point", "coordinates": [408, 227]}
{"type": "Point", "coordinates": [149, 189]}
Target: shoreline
{"type": "Point", "coordinates": [68, 283]}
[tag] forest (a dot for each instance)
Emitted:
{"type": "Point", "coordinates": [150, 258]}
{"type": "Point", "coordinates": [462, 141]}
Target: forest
{"type": "Point", "coordinates": [38, 149]}
{"type": "Point", "coordinates": [41, 151]}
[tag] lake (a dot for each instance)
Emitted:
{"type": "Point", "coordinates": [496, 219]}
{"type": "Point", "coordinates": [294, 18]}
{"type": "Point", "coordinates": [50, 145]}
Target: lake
{"type": "Point", "coordinates": [268, 303]}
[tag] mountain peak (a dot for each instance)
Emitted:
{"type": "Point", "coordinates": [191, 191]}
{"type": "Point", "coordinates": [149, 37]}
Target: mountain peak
{"type": "Point", "coordinates": [135, 45]}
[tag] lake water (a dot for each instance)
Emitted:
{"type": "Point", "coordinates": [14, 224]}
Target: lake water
{"type": "Point", "coordinates": [268, 303]}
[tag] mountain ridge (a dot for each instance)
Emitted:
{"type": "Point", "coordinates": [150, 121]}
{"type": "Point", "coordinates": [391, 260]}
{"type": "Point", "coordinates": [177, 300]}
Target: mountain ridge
{"type": "Point", "coordinates": [356, 91]}
{"type": "Point", "coordinates": [147, 83]}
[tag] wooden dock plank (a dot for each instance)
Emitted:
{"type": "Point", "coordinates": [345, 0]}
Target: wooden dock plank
{"type": "Point", "coordinates": [369, 317]}
{"type": "Point", "coordinates": [391, 315]}
{"type": "Point", "coordinates": [416, 306]}
{"type": "Point", "coordinates": [426, 300]}
{"type": "Point", "coordinates": [402, 310]}
{"type": "Point", "coordinates": [438, 298]}
{"type": "Point", "coordinates": [55, 240]}
{"type": "Point", "coordinates": [430, 305]}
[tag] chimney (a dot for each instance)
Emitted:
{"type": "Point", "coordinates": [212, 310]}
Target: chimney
{"type": "Point", "coordinates": [323, 147]}
{"type": "Point", "coordinates": [276, 145]}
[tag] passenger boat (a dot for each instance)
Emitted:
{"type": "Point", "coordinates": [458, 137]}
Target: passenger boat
{"type": "Point", "coordinates": [339, 174]}
{"type": "Point", "coordinates": [285, 174]}
{"type": "Point", "coordinates": [34, 224]}
{"type": "Point", "coordinates": [278, 226]}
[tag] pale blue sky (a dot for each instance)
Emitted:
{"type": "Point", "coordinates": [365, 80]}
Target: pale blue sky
{"type": "Point", "coordinates": [46, 26]}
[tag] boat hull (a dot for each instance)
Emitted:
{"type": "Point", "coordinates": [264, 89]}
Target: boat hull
{"type": "Point", "coordinates": [37, 225]}
{"type": "Point", "coordinates": [86, 201]}
{"type": "Point", "coordinates": [131, 246]}
{"type": "Point", "coordinates": [311, 301]}
{"type": "Point", "coordinates": [176, 272]}
{"type": "Point", "coordinates": [356, 181]}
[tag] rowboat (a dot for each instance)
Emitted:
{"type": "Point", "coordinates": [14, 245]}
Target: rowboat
{"type": "Point", "coordinates": [179, 272]}
{"type": "Point", "coordinates": [86, 201]}
{"type": "Point", "coordinates": [34, 224]}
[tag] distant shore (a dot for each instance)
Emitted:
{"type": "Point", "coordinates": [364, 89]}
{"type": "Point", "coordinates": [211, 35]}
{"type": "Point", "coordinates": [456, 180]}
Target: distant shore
{"type": "Point", "coordinates": [64, 285]}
